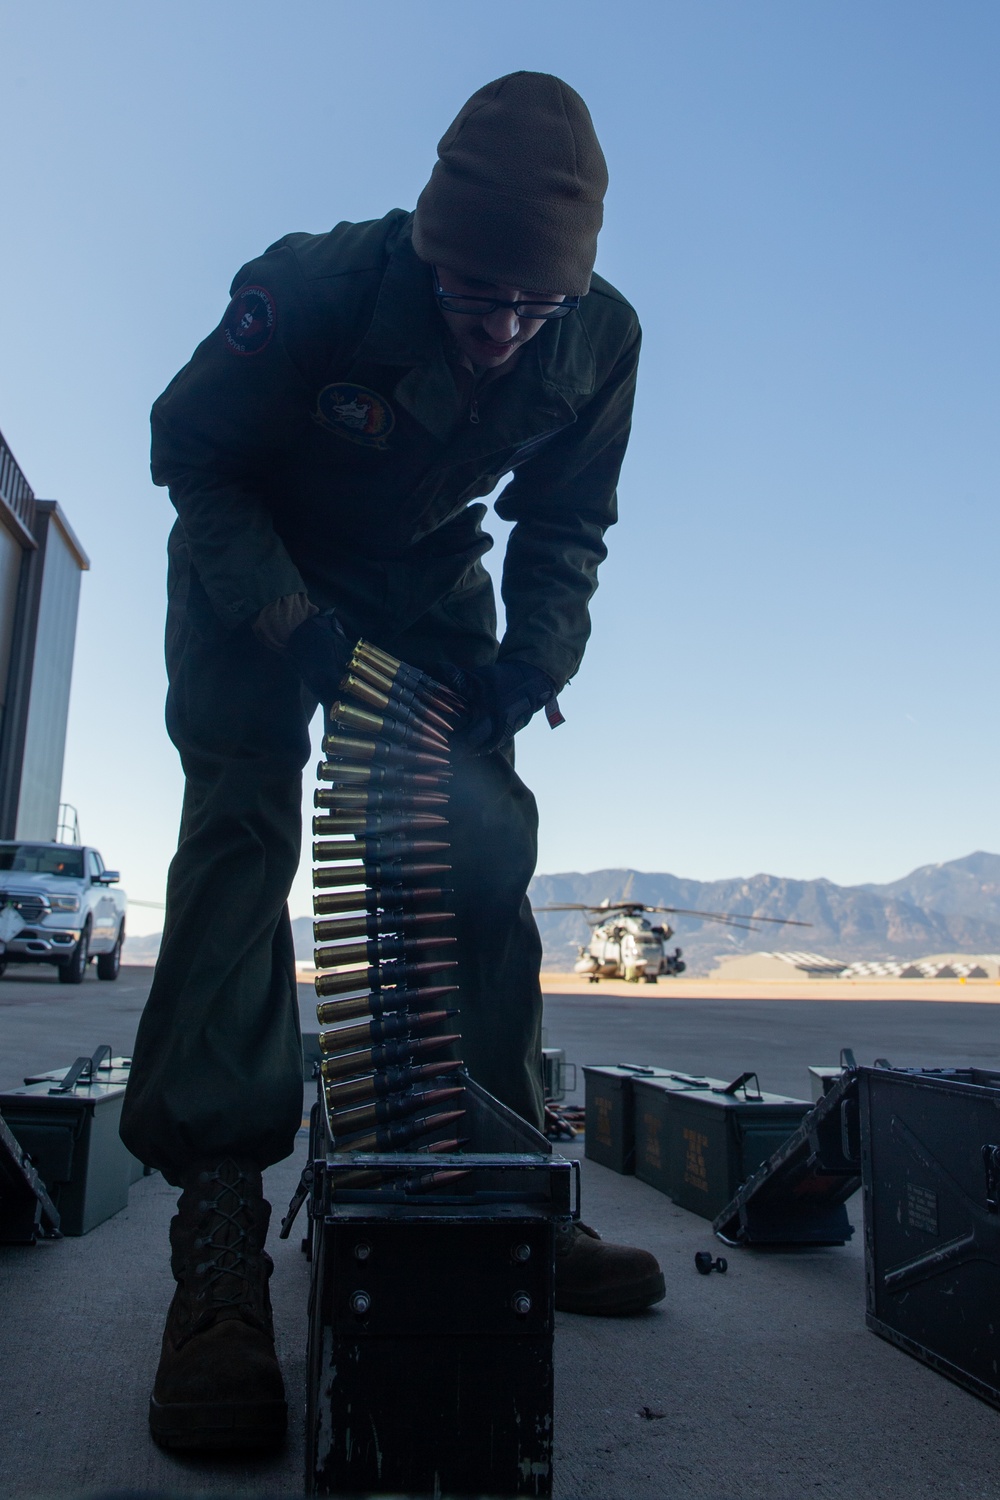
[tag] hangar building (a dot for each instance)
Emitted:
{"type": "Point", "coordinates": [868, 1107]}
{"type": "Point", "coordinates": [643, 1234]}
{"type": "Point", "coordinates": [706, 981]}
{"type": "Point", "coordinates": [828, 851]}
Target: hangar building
{"type": "Point", "coordinates": [41, 562]}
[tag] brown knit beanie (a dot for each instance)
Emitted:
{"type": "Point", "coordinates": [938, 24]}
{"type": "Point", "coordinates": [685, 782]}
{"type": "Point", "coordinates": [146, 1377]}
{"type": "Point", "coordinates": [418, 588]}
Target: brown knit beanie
{"type": "Point", "coordinates": [516, 195]}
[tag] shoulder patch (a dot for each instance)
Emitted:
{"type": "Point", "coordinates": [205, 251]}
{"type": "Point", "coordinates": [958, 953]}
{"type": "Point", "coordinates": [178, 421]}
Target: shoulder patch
{"type": "Point", "coordinates": [250, 320]}
{"type": "Point", "coordinates": [355, 413]}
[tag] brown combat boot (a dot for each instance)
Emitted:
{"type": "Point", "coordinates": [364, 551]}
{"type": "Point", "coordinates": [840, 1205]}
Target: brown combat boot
{"type": "Point", "coordinates": [219, 1384]}
{"type": "Point", "coordinates": [606, 1280]}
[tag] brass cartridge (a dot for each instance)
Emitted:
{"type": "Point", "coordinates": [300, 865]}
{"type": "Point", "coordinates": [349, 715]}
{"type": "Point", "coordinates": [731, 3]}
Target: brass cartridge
{"type": "Point", "coordinates": [372, 900]}
{"type": "Point", "coordinates": [389, 873]}
{"type": "Point", "coordinates": [381, 1029]}
{"type": "Point", "coordinates": [346, 981]}
{"type": "Point", "coordinates": [406, 728]}
{"type": "Point", "coordinates": [377, 950]}
{"type": "Point", "coordinates": [388, 1054]}
{"type": "Point", "coordinates": [387, 1081]}
{"type": "Point", "coordinates": [379, 692]}
{"type": "Point", "coordinates": [343, 774]}
{"type": "Point", "coordinates": [387, 843]}
{"type": "Point", "coordinates": [373, 923]}
{"type": "Point", "coordinates": [352, 748]}
{"type": "Point", "coordinates": [376, 1002]}
{"type": "Point", "coordinates": [382, 1111]}
{"type": "Point", "coordinates": [391, 1137]}
{"type": "Point", "coordinates": [345, 798]}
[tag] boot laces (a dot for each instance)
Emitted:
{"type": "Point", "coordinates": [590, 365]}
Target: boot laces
{"type": "Point", "coordinates": [226, 1269]}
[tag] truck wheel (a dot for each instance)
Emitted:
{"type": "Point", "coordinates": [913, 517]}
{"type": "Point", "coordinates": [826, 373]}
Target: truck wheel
{"type": "Point", "coordinates": [108, 964]}
{"type": "Point", "coordinates": [75, 967]}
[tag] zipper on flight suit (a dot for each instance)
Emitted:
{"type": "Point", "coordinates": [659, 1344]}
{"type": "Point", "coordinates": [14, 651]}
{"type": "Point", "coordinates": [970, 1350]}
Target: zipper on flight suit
{"type": "Point", "coordinates": [473, 411]}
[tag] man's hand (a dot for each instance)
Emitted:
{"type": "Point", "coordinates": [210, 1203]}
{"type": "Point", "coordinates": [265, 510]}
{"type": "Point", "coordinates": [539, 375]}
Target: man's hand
{"type": "Point", "coordinates": [321, 651]}
{"type": "Point", "coordinates": [500, 700]}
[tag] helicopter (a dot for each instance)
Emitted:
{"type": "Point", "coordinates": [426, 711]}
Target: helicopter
{"type": "Point", "coordinates": [624, 945]}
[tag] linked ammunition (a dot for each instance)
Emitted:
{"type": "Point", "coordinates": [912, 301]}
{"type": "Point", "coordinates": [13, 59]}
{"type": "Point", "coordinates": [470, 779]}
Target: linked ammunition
{"type": "Point", "coordinates": [389, 873]}
{"type": "Point", "coordinates": [356, 773]}
{"type": "Point", "coordinates": [399, 671]}
{"type": "Point", "coordinates": [435, 1182]}
{"type": "Point", "coordinates": [380, 692]}
{"type": "Point", "coordinates": [408, 729]}
{"type": "Point", "coordinates": [383, 1111]}
{"type": "Point", "coordinates": [387, 1055]}
{"type": "Point", "coordinates": [376, 1177]}
{"type": "Point", "coordinates": [344, 798]}
{"type": "Point", "coordinates": [372, 924]}
{"type": "Point", "coordinates": [378, 1029]}
{"type": "Point", "coordinates": [373, 825]}
{"type": "Point", "coordinates": [372, 899]}
{"type": "Point", "coordinates": [375, 1002]}
{"type": "Point", "coordinates": [347, 747]}
{"type": "Point", "coordinates": [391, 1137]}
{"type": "Point", "coordinates": [374, 977]}
{"type": "Point", "coordinates": [387, 1081]}
{"type": "Point", "coordinates": [377, 849]}
{"type": "Point", "coordinates": [388, 945]}
{"type": "Point", "coordinates": [378, 950]}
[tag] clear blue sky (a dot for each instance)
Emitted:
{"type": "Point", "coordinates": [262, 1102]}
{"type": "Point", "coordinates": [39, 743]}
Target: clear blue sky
{"type": "Point", "coordinates": [793, 666]}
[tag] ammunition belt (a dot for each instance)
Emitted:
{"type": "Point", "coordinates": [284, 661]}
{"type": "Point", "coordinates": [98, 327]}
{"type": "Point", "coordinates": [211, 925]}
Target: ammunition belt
{"type": "Point", "coordinates": [386, 975]}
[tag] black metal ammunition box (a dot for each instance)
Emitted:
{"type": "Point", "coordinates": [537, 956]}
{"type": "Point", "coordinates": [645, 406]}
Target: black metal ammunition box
{"type": "Point", "coordinates": [799, 1195]}
{"type": "Point", "coordinates": [610, 1110]}
{"type": "Point", "coordinates": [930, 1144]}
{"type": "Point", "coordinates": [430, 1340]}
{"type": "Point", "coordinates": [699, 1145]}
{"type": "Point", "coordinates": [106, 1069]}
{"type": "Point", "coordinates": [558, 1076]}
{"type": "Point", "coordinates": [72, 1139]}
{"type": "Point", "coordinates": [27, 1213]}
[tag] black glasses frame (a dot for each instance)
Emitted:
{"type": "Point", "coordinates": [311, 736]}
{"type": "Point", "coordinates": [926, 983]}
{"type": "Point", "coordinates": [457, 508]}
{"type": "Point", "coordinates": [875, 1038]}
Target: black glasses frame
{"type": "Point", "coordinates": [490, 304]}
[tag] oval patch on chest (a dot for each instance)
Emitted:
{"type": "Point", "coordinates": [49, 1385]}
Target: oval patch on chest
{"type": "Point", "coordinates": [249, 321]}
{"type": "Point", "coordinates": [355, 413]}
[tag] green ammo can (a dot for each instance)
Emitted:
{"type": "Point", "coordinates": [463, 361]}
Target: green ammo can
{"type": "Point", "coordinates": [610, 1109]}
{"type": "Point", "coordinates": [67, 1122]}
{"type": "Point", "coordinates": [698, 1145]}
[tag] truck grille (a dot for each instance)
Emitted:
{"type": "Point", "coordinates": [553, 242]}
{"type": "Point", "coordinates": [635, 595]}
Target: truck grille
{"type": "Point", "coordinates": [30, 906]}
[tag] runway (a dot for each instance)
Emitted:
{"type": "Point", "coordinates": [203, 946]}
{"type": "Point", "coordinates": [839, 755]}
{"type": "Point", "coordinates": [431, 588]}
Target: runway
{"type": "Point", "coordinates": [760, 1385]}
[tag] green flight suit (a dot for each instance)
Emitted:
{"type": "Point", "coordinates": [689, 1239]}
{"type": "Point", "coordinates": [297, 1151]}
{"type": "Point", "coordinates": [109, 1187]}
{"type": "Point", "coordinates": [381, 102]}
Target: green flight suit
{"type": "Point", "coordinates": [317, 441]}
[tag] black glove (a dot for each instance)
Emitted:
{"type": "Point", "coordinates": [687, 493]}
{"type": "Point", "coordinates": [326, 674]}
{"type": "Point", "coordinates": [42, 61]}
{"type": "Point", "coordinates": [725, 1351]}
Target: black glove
{"type": "Point", "coordinates": [321, 651]}
{"type": "Point", "coordinates": [499, 700]}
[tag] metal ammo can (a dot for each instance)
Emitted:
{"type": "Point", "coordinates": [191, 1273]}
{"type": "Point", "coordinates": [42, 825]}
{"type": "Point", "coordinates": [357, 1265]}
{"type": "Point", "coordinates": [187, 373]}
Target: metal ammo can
{"type": "Point", "coordinates": [67, 1121]}
{"type": "Point", "coordinates": [610, 1110]}
{"type": "Point", "coordinates": [429, 1361]}
{"type": "Point", "coordinates": [930, 1164]}
{"type": "Point", "coordinates": [698, 1145]}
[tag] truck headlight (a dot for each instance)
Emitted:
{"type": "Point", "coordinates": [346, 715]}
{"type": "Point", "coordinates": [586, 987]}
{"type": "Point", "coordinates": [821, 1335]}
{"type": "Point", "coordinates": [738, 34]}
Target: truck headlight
{"type": "Point", "coordinates": [65, 903]}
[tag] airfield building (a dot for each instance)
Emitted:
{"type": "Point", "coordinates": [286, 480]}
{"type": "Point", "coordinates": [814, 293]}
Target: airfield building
{"type": "Point", "coordinates": [41, 561]}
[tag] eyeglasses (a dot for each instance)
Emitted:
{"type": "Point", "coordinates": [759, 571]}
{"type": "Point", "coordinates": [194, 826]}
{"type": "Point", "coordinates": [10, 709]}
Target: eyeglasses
{"type": "Point", "coordinates": [481, 307]}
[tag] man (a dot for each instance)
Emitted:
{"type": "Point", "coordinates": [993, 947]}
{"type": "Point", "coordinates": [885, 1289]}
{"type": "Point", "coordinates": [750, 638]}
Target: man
{"type": "Point", "coordinates": [323, 449]}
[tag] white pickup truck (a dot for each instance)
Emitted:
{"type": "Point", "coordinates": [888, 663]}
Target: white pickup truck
{"type": "Point", "coordinates": [58, 906]}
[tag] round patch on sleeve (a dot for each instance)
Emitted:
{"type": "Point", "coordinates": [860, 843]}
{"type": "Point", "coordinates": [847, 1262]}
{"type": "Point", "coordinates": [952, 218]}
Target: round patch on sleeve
{"type": "Point", "coordinates": [250, 320]}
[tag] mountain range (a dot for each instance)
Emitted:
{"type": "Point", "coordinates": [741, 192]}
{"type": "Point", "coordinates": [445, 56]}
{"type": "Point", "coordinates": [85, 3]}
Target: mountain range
{"type": "Point", "coordinates": [951, 907]}
{"type": "Point", "coordinates": [945, 908]}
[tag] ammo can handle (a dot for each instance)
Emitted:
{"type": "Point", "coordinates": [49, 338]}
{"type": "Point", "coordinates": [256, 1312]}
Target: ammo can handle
{"type": "Point", "coordinates": [80, 1069]}
{"type": "Point", "coordinates": [741, 1083]}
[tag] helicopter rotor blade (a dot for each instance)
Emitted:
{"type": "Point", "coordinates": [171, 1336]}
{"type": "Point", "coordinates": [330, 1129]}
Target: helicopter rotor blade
{"type": "Point", "coordinates": [570, 906]}
{"type": "Point", "coordinates": [728, 916]}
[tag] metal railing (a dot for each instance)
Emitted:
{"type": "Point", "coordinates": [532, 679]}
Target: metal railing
{"type": "Point", "coordinates": [68, 828]}
{"type": "Point", "coordinates": [15, 491]}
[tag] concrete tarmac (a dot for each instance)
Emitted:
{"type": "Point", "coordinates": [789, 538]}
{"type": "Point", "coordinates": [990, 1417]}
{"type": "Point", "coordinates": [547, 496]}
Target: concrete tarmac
{"type": "Point", "coordinates": [763, 1384]}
